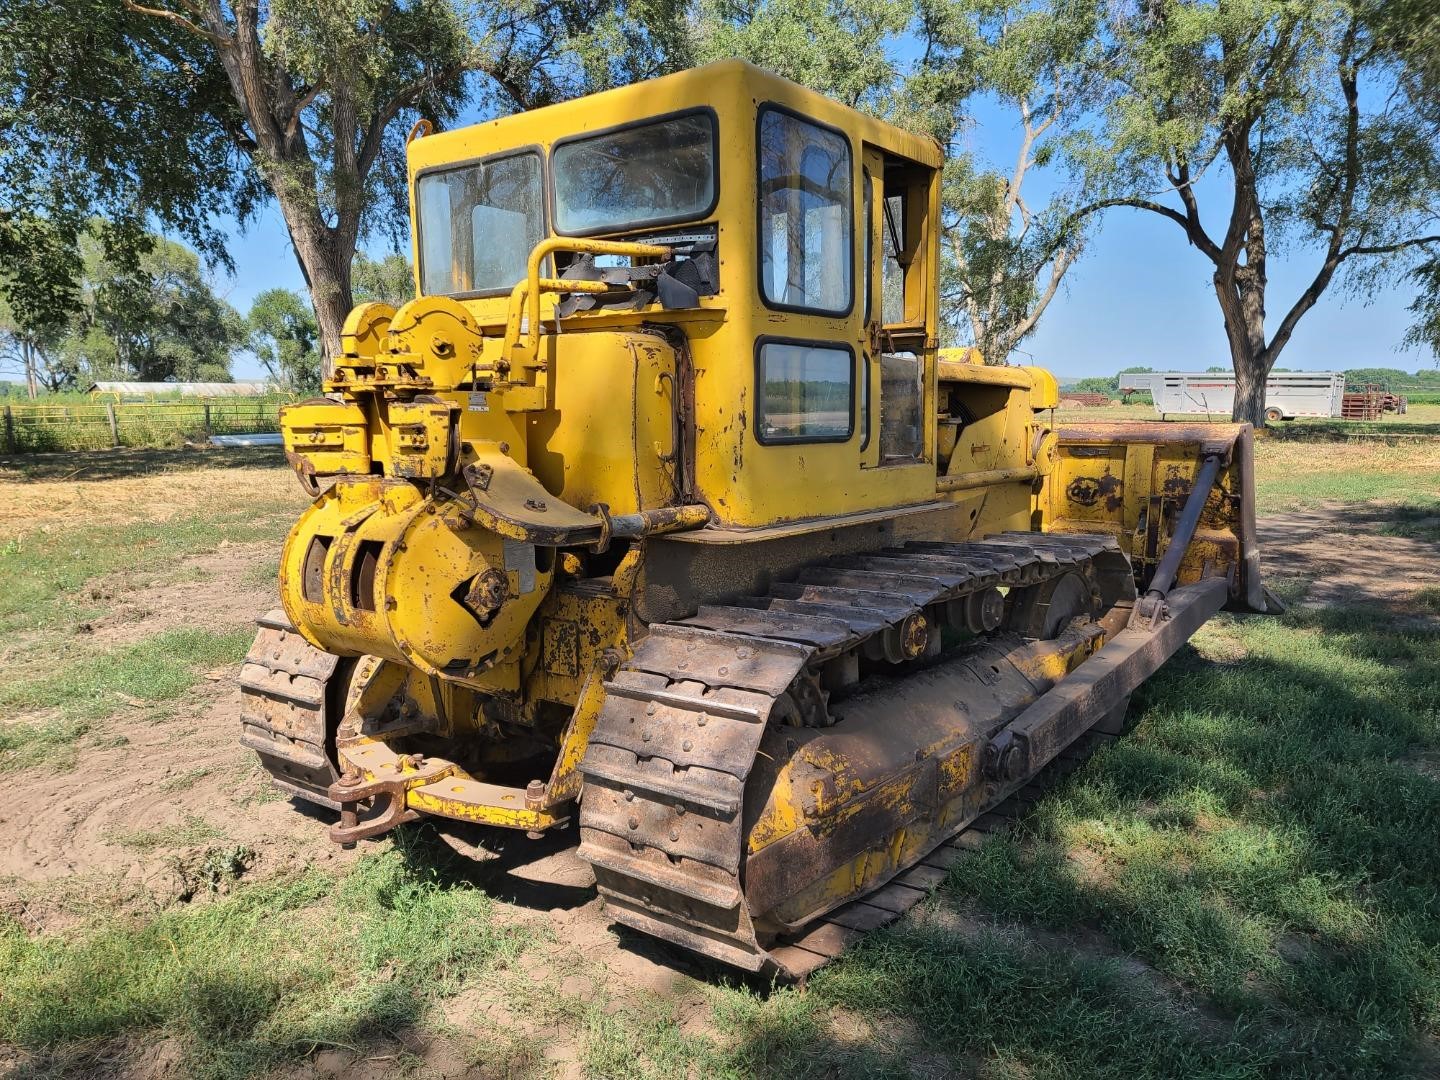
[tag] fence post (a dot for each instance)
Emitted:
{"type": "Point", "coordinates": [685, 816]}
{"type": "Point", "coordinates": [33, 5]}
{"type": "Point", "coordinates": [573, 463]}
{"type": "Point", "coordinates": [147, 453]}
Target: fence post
{"type": "Point", "coordinates": [114, 424]}
{"type": "Point", "coordinates": [207, 418]}
{"type": "Point", "coordinates": [9, 430]}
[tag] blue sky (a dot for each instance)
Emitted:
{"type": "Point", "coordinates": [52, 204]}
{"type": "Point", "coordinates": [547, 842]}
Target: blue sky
{"type": "Point", "coordinates": [1139, 296]}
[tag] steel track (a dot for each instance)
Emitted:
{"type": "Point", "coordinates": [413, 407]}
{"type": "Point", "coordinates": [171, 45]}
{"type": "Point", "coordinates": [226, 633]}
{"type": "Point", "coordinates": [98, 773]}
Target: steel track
{"type": "Point", "coordinates": [662, 817]}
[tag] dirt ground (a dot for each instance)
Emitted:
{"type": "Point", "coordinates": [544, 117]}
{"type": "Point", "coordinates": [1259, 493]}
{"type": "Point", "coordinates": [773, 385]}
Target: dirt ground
{"type": "Point", "coordinates": [1339, 552]}
{"type": "Point", "coordinates": [158, 797]}
{"type": "Point", "coordinates": [143, 815]}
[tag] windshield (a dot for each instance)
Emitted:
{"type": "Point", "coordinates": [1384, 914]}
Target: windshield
{"type": "Point", "coordinates": [478, 223]}
{"type": "Point", "coordinates": [647, 174]}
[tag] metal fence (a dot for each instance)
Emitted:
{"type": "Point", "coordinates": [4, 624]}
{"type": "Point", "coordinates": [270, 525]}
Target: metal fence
{"type": "Point", "coordinates": [96, 425]}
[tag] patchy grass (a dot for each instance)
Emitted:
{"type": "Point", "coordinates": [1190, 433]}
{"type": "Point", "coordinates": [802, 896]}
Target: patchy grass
{"type": "Point", "coordinates": [48, 571]}
{"type": "Point", "coordinates": [1257, 864]}
{"type": "Point", "coordinates": [191, 832]}
{"type": "Point", "coordinates": [1415, 521]}
{"type": "Point", "coordinates": [58, 708]}
{"type": "Point", "coordinates": [1291, 476]}
{"type": "Point", "coordinates": [267, 974]}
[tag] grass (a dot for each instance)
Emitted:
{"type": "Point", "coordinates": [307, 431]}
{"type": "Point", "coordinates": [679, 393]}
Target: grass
{"type": "Point", "coordinates": [47, 572]}
{"type": "Point", "coordinates": [1293, 476]}
{"type": "Point", "coordinates": [1244, 887]}
{"type": "Point", "coordinates": [267, 974]}
{"type": "Point", "coordinates": [52, 712]}
{"type": "Point", "coordinates": [191, 832]}
{"type": "Point", "coordinates": [1261, 840]}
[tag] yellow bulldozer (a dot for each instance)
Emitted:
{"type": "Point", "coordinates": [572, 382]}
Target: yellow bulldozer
{"type": "Point", "coordinates": [660, 512]}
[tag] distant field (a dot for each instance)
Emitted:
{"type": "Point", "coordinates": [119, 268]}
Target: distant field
{"type": "Point", "coordinates": [1243, 889]}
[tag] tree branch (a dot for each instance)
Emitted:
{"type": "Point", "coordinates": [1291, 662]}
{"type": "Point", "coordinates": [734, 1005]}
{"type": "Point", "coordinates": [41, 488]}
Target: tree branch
{"type": "Point", "coordinates": [300, 106]}
{"type": "Point", "coordinates": [1388, 249]}
{"type": "Point", "coordinates": [218, 40]}
{"type": "Point", "coordinates": [1203, 241]}
{"type": "Point", "coordinates": [1061, 262]}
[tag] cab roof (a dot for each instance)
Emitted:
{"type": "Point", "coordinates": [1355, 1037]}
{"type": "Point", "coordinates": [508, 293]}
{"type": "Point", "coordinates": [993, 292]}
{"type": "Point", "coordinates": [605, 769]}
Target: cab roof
{"type": "Point", "coordinates": [730, 87]}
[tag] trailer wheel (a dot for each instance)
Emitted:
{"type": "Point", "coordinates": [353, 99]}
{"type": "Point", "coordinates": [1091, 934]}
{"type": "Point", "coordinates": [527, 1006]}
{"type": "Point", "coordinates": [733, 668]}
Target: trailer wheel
{"type": "Point", "coordinates": [1272, 414]}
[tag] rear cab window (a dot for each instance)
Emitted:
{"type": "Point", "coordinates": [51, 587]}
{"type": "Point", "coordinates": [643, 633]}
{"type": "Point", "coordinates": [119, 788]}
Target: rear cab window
{"type": "Point", "coordinates": [477, 223]}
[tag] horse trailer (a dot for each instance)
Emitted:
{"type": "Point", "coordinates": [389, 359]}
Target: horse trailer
{"type": "Point", "coordinates": [1288, 394]}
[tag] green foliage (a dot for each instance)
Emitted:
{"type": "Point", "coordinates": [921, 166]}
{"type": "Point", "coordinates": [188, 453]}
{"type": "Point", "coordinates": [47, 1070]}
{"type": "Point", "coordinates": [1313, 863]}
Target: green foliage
{"type": "Point", "coordinates": [156, 321]}
{"type": "Point", "coordinates": [149, 315]}
{"type": "Point", "coordinates": [840, 47]}
{"type": "Point", "coordinates": [390, 280]}
{"type": "Point", "coordinates": [285, 338]}
{"type": "Point", "coordinates": [188, 111]}
{"type": "Point", "coordinates": [112, 114]}
{"type": "Point", "coordinates": [1425, 331]}
{"type": "Point", "coordinates": [1005, 256]}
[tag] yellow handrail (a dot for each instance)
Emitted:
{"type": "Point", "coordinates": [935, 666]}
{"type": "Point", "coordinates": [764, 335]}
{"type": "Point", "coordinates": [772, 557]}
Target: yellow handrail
{"type": "Point", "coordinates": [525, 296]}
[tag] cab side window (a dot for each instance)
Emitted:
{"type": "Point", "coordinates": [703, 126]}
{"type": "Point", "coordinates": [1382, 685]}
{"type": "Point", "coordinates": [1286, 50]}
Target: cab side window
{"type": "Point", "coordinates": [806, 224]}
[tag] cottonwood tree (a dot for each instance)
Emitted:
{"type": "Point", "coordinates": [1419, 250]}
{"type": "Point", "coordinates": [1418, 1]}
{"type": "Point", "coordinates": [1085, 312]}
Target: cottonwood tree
{"type": "Point", "coordinates": [285, 338]}
{"type": "Point", "coordinates": [158, 320]}
{"type": "Point", "coordinates": [390, 279]}
{"type": "Point", "coordinates": [304, 102]}
{"type": "Point", "coordinates": [843, 48]}
{"type": "Point", "coordinates": [101, 140]}
{"type": "Point", "coordinates": [1299, 118]}
{"type": "Point", "coordinates": [1006, 255]}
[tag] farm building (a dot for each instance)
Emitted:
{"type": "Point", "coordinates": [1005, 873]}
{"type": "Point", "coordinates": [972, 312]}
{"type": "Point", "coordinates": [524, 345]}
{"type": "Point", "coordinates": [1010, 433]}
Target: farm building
{"type": "Point", "coordinates": [119, 390]}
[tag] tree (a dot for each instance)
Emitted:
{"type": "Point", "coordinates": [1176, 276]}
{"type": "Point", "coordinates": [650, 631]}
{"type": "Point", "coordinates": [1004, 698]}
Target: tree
{"type": "Point", "coordinates": [838, 47]}
{"type": "Point", "coordinates": [1303, 113]}
{"type": "Point", "coordinates": [1425, 332]}
{"type": "Point", "coordinates": [299, 101]}
{"type": "Point", "coordinates": [103, 115]}
{"type": "Point", "coordinates": [286, 339]}
{"type": "Point", "coordinates": [156, 321]}
{"type": "Point", "coordinates": [30, 353]}
{"type": "Point", "coordinates": [318, 88]}
{"type": "Point", "coordinates": [390, 280]}
{"type": "Point", "coordinates": [1004, 258]}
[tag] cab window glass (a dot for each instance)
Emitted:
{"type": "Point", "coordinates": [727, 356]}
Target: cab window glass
{"type": "Point", "coordinates": [646, 174]}
{"type": "Point", "coordinates": [806, 392]}
{"type": "Point", "coordinates": [805, 215]}
{"type": "Point", "coordinates": [892, 273]}
{"type": "Point", "coordinates": [477, 224]}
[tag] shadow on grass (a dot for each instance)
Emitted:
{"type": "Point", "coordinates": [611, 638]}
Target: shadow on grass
{"type": "Point", "coordinates": [92, 466]}
{"type": "Point", "coordinates": [1262, 838]}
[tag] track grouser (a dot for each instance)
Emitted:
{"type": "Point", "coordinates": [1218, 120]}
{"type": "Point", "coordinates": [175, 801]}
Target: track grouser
{"type": "Point", "coordinates": [660, 515]}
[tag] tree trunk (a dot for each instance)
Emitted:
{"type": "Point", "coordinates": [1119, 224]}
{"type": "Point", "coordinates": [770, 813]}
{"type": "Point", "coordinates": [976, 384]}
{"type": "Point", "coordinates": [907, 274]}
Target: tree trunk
{"type": "Point", "coordinates": [1250, 375]}
{"type": "Point", "coordinates": [27, 350]}
{"type": "Point", "coordinates": [1241, 293]}
{"type": "Point", "coordinates": [325, 259]}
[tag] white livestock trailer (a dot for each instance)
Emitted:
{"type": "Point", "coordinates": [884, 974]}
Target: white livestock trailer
{"type": "Point", "coordinates": [1288, 394]}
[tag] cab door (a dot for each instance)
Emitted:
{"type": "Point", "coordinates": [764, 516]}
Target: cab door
{"type": "Point", "coordinates": [897, 384]}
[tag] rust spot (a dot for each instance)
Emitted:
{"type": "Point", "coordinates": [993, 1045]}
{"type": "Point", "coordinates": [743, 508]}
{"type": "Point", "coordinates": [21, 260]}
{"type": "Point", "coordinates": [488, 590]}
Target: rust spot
{"type": "Point", "coordinates": [1089, 490]}
{"type": "Point", "coordinates": [562, 647]}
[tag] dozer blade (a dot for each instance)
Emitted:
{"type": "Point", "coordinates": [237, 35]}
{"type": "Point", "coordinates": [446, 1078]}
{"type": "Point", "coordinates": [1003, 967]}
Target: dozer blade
{"type": "Point", "coordinates": [743, 844]}
{"type": "Point", "coordinates": [1129, 479]}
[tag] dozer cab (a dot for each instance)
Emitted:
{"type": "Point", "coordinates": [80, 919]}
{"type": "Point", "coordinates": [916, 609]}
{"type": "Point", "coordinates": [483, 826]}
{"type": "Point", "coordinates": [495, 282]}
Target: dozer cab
{"type": "Point", "coordinates": [660, 511]}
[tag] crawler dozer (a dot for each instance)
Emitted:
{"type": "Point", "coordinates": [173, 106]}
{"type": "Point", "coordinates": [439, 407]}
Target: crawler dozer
{"type": "Point", "coordinates": [660, 512]}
